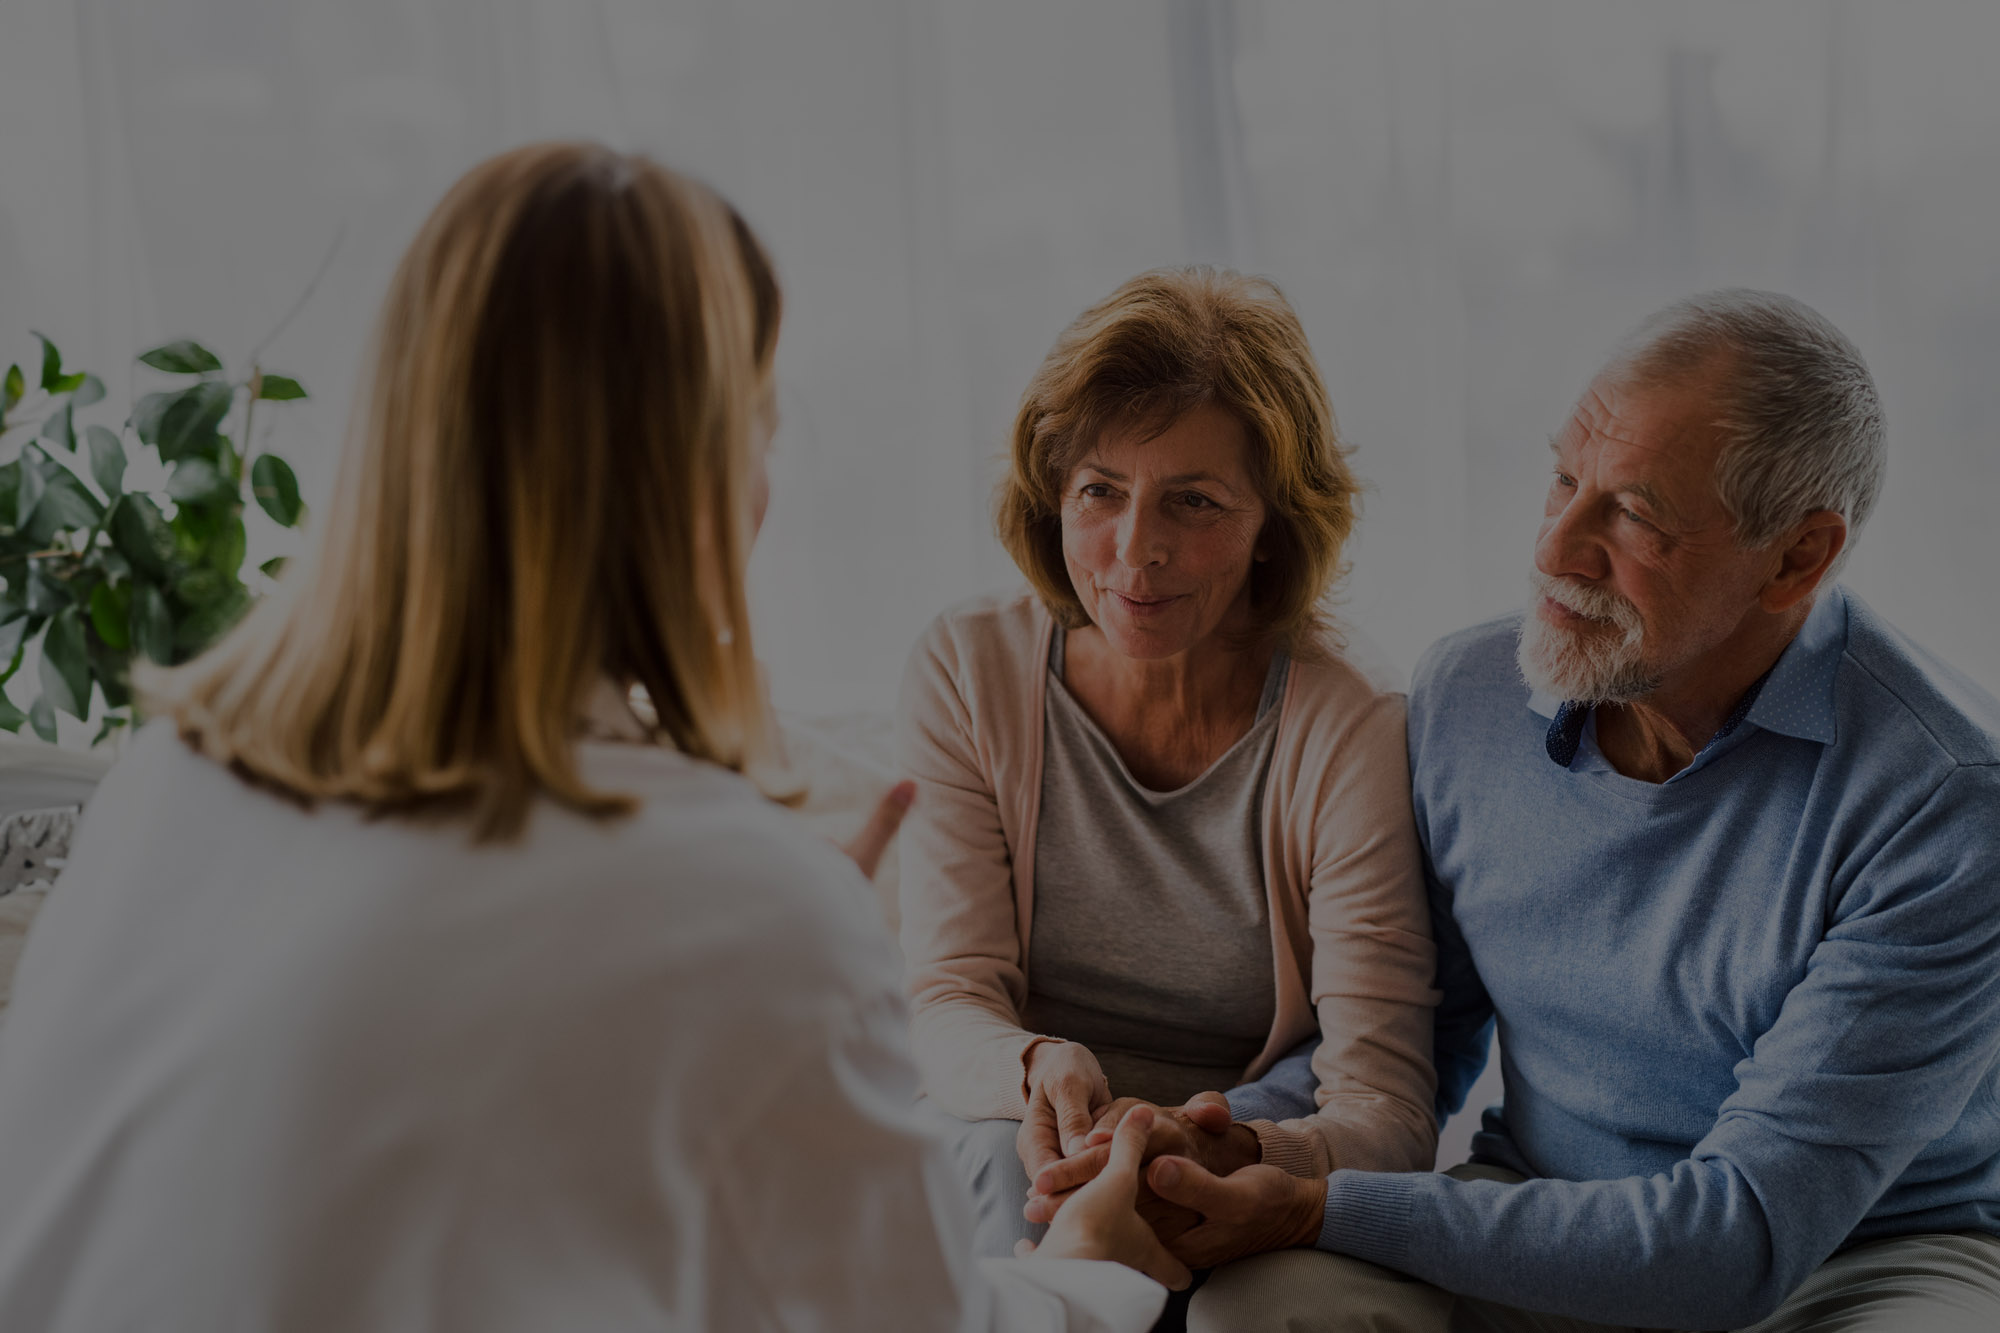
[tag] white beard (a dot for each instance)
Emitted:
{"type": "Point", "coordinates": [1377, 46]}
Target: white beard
{"type": "Point", "coordinates": [1592, 665]}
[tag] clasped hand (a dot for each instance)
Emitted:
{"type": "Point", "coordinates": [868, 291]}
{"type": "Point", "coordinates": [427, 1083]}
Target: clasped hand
{"type": "Point", "coordinates": [1206, 1197]}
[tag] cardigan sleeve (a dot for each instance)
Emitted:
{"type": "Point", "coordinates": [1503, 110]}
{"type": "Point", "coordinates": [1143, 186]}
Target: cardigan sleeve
{"type": "Point", "coordinates": [1373, 961]}
{"type": "Point", "coordinates": [961, 944]}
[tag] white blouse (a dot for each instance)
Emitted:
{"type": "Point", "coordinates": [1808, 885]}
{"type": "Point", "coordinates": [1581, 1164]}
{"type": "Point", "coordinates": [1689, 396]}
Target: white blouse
{"type": "Point", "coordinates": [276, 1069]}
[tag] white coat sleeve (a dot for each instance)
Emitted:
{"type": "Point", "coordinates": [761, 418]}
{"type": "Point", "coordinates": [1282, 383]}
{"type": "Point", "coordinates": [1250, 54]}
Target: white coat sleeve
{"type": "Point", "coordinates": [849, 1216]}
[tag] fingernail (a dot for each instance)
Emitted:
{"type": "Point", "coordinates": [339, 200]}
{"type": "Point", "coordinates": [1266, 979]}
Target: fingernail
{"type": "Point", "coordinates": [904, 793]}
{"type": "Point", "coordinates": [1167, 1172]}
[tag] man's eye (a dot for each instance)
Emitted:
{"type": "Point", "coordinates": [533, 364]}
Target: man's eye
{"type": "Point", "coordinates": [1625, 513]}
{"type": "Point", "coordinates": [1564, 479]}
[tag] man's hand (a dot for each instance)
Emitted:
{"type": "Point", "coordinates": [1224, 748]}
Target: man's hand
{"type": "Point", "coordinates": [1102, 1219]}
{"type": "Point", "coordinates": [1066, 1094]}
{"type": "Point", "coordinates": [866, 847]}
{"type": "Point", "coordinates": [1201, 1131]}
{"type": "Point", "coordinates": [1258, 1208]}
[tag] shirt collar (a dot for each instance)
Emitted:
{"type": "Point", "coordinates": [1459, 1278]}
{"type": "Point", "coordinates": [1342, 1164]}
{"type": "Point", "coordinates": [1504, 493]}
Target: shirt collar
{"type": "Point", "coordinates": [1794, 698]}
{"type": "Point", "coordinates": [1798, 695]}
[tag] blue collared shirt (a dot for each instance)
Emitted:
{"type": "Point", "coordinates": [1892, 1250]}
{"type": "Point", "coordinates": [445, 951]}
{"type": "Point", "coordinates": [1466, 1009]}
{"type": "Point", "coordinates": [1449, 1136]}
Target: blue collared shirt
{"type": "Point", "coordinates": [1748, 1015]}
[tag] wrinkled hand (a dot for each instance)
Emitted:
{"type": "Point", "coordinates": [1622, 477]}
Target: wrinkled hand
{"type": "Point", "coordinates": [1200, 1131]}
{"type": "Point", "coordinates": [1102, 1219]}
{"type": "Point", "coordinates": [1067, 1092]}
{"type": "Point", "coordinates": [1256, 1209]}
{"type": "Point", "coordinates": [865, 849]}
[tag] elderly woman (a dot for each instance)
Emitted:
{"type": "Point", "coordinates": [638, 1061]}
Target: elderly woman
{"type": "Point", "coordinates": [404, 976]}
{"type": "Point", "coordinates": [1163, 830]}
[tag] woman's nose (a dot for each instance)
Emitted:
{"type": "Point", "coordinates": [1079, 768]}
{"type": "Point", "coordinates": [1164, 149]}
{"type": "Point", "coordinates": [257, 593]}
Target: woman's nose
{"type": "Point", "coordinates": [1141, 541]}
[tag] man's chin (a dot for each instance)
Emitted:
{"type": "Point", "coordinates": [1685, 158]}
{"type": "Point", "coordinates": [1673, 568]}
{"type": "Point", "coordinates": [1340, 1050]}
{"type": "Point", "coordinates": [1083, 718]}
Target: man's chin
{"type": "Point", "coordinates": [1560, 663]}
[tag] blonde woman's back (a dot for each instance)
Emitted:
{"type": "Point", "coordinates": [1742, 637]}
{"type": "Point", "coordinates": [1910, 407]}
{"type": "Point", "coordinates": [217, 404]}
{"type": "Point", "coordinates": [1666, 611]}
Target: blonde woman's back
{"type": "Point", "coordinates": [343, 1073]}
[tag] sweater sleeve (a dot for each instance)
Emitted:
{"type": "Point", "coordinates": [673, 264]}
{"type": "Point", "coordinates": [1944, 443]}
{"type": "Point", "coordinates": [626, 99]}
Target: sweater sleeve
{"type": "Point", "coordinates": [1285, 1092]}
{"type": "Point", "coordinates": [1876, 1052]}
{"type": "Point", "coordinates": [961, 943]}
{"type": "Point", "coordinates": [1372, 963]}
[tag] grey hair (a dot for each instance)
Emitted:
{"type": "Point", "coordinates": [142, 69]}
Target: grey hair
{"type": "Point", "coordinates": [1803, 420]}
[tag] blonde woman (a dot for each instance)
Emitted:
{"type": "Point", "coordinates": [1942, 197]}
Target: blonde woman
{"type": "Point", "coordinates": [1163, 831]}
{"type": "Point", "coordinates": [403, 977]}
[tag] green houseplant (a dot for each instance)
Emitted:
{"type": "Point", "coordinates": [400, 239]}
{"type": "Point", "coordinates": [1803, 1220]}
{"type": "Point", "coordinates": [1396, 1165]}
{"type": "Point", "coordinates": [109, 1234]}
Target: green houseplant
{"type": "Point", "coordinates": [93, 574]}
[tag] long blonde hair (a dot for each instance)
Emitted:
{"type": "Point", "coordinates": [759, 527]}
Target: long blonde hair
{"type": "Point", "coordinates": [546, 487]}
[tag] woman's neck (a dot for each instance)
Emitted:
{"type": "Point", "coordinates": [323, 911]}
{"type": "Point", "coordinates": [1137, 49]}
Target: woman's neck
{"type": "Point", "coordinates": [1212, 681]}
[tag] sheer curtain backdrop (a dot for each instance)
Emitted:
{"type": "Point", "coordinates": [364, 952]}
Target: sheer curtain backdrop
{"type": "Point", "coordinates": [1466, 202]}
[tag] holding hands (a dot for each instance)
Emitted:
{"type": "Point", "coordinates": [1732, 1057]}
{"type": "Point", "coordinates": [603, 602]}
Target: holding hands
{"type": "Point", "coordinates": [1209, 1200]}
{"type": "Point", "coordinates": [1067, 1098]}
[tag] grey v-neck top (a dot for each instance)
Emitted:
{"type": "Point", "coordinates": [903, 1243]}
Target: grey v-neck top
{"type": "Point", "coordinates": [1151, 942]}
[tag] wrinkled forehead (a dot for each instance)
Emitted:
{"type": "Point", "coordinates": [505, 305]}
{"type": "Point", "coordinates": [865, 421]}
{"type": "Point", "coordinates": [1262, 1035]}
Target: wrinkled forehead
{"type": "Point", "coordinates": [1663, 437]}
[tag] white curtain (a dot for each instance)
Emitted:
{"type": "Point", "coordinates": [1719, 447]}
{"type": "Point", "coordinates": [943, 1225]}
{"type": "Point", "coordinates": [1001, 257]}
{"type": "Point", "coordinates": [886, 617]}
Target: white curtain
{"type": "Point", "coordinates": [1467, 202]}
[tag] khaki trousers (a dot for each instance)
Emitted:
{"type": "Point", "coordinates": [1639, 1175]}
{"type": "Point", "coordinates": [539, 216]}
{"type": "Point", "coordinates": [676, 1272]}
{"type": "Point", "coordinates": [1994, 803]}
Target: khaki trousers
{"type": "Point", "coordinates": [1908, 1284]}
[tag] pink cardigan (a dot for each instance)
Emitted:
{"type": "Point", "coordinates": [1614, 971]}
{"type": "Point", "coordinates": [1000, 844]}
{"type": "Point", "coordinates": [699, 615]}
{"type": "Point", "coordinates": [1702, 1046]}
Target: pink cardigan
{"type": "Point", "coordinates": [1350, 932]}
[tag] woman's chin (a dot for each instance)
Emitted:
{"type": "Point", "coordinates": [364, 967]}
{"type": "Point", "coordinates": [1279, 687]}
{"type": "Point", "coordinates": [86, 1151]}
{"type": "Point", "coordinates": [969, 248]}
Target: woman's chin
{"type": "Point", "coordinates": [1145, 642]}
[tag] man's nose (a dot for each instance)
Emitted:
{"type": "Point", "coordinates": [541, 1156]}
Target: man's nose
{"type": "Point", "coordinates": [1569, 544]}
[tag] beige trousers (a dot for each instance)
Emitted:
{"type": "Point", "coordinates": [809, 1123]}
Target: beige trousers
{"type": "Point", "coordinates": [1910, 1284]}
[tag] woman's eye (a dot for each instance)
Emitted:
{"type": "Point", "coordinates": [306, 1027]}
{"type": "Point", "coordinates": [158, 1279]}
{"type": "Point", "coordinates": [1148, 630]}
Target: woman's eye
{"type": "Point", "coordinates": [1196, 501]}
{"type": "Point", "coordinates": [1096, 490]}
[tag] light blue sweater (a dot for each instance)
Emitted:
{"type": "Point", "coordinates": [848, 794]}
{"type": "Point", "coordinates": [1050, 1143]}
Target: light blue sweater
{"type": "Point", "coordinates": [1748, 1016]}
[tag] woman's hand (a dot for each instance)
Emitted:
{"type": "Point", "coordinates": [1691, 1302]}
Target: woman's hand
{"type": "Point", "coordinates": [1102, 1219]}
{"type": "Point", "coordinates": [1200, 1131]}
{"type": "Point", "coordinates": [866, 847]}
{"type": "Point", "coordinates": [1258, 1208]}
{"type": "Point", "coordinates": [1067, 1093]}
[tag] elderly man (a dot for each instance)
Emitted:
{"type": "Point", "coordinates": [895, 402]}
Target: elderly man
{"type": "Point", "coordinates": [1724, 871]}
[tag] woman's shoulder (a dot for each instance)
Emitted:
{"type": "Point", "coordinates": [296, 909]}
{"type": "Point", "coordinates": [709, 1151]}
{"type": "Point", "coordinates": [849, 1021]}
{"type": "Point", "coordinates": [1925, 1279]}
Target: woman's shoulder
{"type": "Point", "coordinates": [975, 630]}
{"type": "Point", "coordinates": [1337, 701]}
{"type": "Point", "coordinates": [979, 659]}
{"type": "Point", "coordinates": [1332, 671]}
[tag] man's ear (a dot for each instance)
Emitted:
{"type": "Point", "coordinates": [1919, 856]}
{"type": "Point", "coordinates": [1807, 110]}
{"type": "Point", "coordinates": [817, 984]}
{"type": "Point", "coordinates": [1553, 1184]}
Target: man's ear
{"type": "Point", "coordinates": [1804, 557]}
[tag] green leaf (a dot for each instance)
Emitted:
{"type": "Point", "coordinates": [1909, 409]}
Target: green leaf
{"type": "Point", "coordinates": [152, 624]}
{"type": "Point", "coordinates": [182, 422]}
{"type": "Point", "coordinates": [60, 429]}
{"type": "Point", "coordinates": [107, 460]}
{"type": "Point", "coordinates": [183, 356]}
{"type": "Point", "coordinates": [68, 383]}
{"type": "Point", "coordinates": [13, 634]}
{"type": "Point", "coordinates": [280, 388]}
{"type": "Point", "coordinates": [11, 717]}
{"type": "Point", "coordinates": [32, 487]}
{"type": "Point", "coordinates": [274, 567]}
{"type": "Point", "coordinates": [46, 595]}
{"type": "Point", "coordinates": [111, 614]}
{"type": "Point", "coordinates": [65, 668]}
{"type": "Point", "coordinates": [113, 669]}
{"type": "Point", "coordinates": [66, 504]}
{"type": "Point", "coordinates": [12, 389]}
{"type": "Point", "coordinates": [211, 619]}
{"type": "Point", "coordinates": [276, 489]}
{"type": "Point", "coordinates": [140, 533]}
{"type": "Point", "coordinates": [195, 481]}
{"type": "Point", "coordinates": [51, 363]}
{"type": "Point", "coordinates": [225, 553]}
{"type": "Point", "coordinates": [112, 722]}
{"type": "Point", "coordinates": [89, 389]}
{"type": "Point", "coordinates": [43, 718]}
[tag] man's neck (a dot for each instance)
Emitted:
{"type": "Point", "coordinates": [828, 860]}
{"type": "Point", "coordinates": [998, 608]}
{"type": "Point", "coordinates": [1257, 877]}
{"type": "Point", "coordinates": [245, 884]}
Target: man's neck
{"type": "Point", "coordinates": [1657, 736]}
